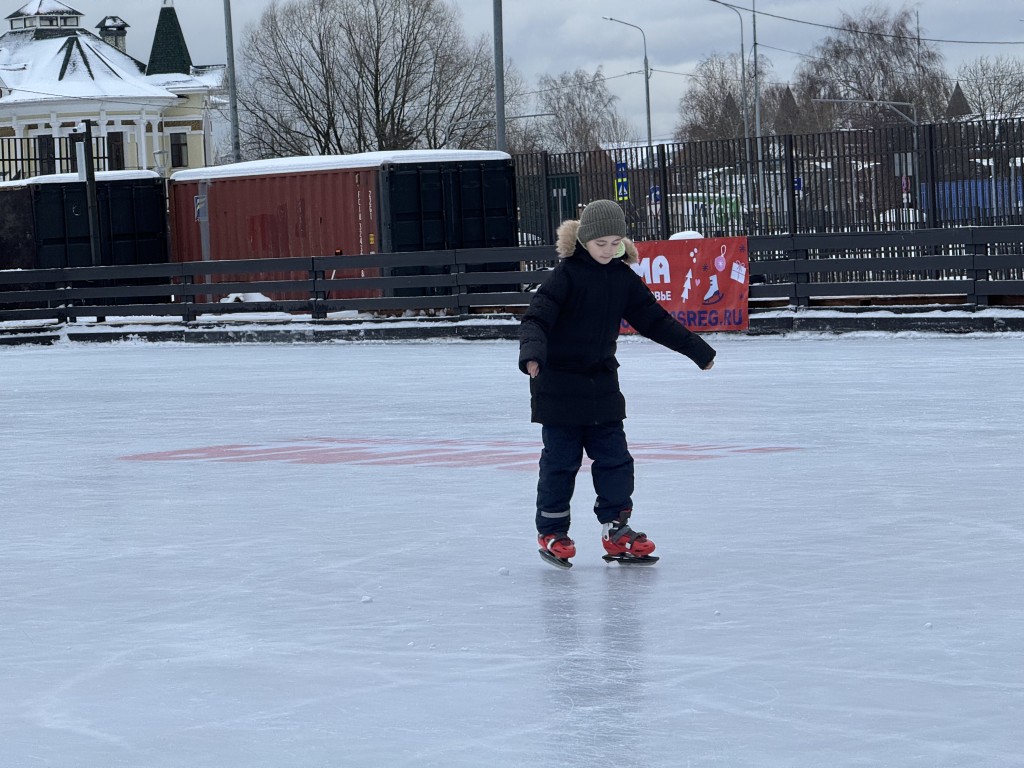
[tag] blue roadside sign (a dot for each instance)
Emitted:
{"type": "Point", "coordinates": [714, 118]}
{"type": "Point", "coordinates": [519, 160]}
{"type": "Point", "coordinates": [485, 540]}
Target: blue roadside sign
{"type": "Point", "coordinates": [621, 182]}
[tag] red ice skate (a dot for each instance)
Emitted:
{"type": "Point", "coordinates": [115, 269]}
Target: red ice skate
{"type": "Point", "coordinates": [556, 548]}
{"type": "Point", "coordinates": [624, 545]}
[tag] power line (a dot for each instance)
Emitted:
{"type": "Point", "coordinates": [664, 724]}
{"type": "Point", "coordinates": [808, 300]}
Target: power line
{"type": "Point", "coordinates": [947, 78]}
{"type": "Point", "coordinates": [574, 85]}
{"type": "Point", "coordinates": [891, 35]}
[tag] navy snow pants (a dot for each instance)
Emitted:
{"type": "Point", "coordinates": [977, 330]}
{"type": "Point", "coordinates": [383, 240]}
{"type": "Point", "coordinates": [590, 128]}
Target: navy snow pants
{"type": "Point", "coordinates": [612, 472]}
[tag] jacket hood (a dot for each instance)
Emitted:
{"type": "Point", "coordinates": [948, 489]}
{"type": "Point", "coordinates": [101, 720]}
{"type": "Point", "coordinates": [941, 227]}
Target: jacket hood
{"type": "Point", "coordinates": [567, 239]}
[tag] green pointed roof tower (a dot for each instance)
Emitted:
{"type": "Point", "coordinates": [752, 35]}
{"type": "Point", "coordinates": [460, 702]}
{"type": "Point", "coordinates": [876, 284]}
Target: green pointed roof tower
{"type": "Point", "coordinates": [169, 54]}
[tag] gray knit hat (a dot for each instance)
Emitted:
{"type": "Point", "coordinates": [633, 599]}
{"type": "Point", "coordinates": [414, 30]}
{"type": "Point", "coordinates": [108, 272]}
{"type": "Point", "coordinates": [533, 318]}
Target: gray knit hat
{"type": "Point", "coordinates": [601, 218]}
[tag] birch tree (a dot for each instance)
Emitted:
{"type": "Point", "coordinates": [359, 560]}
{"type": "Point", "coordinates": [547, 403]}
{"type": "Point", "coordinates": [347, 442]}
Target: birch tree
{"type": "Point", "coordinates": [581, 113]}
{"type": "Point", "coordinates": [875, 56]}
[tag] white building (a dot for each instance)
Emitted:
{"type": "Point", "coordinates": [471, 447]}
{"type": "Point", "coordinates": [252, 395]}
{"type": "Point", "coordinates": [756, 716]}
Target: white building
{"type": "Point", "coordinates": [55, 73]}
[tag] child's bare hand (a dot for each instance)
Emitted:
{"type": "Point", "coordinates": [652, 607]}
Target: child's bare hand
{"type": "Point", "coordinates": [533, 368]}
{"type": "Point", "coordinates": [709, 366]}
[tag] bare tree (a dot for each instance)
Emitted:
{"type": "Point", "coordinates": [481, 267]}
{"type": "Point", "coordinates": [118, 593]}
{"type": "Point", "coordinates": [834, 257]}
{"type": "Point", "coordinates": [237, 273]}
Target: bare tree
{"type": "Point", "coordinates": [875, 56]}
{"type": "Point", "coordinates": [288, 93]}
{"type": "Point", "coordinates": [341, 76]}
{"type": "Point", "coordinates": [711, 107]}
{"type": "Point", "coordinates": [994, 87]}
{"type": "Point", "coordinates": [583, 113]}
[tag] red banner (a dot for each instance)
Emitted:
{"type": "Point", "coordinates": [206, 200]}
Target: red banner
{"type": "Point", "coordinates": [702, 282]}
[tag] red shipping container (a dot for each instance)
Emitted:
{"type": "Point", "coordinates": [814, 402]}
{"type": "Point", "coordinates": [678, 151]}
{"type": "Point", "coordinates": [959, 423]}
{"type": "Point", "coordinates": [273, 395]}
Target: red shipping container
{"type": "Point", "coordinates": [297, 207]}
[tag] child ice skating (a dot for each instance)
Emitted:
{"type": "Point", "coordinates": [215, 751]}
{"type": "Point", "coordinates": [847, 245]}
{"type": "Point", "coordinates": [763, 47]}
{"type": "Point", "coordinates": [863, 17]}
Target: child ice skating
{"type": "Point", "coordinates": [567, 344]}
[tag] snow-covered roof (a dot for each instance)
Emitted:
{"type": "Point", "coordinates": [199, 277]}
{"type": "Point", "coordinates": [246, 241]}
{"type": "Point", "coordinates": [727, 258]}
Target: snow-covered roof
{"type": "Point", "coordinates": [72, 66]}
{"type": "Point", "coordinates": [68, 178]}
{"type": "Point", "coordinates": [337, 162]}
{"type": "Point", "coordinates": [70, 63]}
{"type": "Point", "coordinates": [44, 8]}
{"type": "Point", "coordinates": [113, 22]}
{"type": "Point", "coordinates": [202, 79]}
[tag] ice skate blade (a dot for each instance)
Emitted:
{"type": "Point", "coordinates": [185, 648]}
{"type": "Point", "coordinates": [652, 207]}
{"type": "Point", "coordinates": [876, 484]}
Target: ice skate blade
{"type": "Point", "coordinates": [558, 562]}
{"type": "Point", "coordinates": [631, 559]}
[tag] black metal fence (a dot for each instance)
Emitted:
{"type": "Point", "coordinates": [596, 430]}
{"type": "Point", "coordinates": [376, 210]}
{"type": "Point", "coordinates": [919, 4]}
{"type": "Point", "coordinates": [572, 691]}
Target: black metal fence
{"type": "Point", "coordinates": [46, 155]}
{"type": "Point", "coordinates": [897, 177]}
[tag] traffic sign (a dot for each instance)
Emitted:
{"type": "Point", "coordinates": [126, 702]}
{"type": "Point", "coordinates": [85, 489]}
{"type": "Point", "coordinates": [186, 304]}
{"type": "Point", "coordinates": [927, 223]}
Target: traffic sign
{"type": "Point", "coordinates": [621, 182]}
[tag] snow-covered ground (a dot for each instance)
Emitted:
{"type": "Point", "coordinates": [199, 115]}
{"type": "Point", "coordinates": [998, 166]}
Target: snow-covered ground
{"type": "Point", "coordinates": [322, 555]}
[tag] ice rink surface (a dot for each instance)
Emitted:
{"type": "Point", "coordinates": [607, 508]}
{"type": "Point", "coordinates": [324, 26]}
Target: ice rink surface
{"type": "Point", "coordinates": [323, 556]}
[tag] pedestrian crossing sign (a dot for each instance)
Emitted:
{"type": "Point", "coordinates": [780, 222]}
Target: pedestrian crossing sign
{"type": "Point", "coordinates": [621, 183]}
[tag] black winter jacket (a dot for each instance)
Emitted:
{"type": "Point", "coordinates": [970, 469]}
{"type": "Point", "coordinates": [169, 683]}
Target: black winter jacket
{"type": "Point", "coordinates": [571, 328]}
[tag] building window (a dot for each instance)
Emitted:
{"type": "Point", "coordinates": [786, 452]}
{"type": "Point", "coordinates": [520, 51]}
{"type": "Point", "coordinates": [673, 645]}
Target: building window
{"type": "Point", "coordinates": [179, 150]}
{"type": "Point", "coordinates": [115, 151]}
{"type": "Point", "coordinates": [17, 23]}
{"type": "Point", "coordinates": [69, 21]}
{"type": "Point", "coordinates": [48, 21]}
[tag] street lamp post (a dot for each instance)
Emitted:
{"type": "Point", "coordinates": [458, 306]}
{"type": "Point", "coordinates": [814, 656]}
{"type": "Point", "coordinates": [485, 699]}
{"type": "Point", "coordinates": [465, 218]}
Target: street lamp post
{"type": "Point", "coordinates": [647, 83]}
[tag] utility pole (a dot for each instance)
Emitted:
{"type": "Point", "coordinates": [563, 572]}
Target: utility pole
{"type": "Point", "coordinates": [757, 76]}
{"type": "Point", "coordinates": [229, 40]}
{"type": "Point", "coordinates": [500, 142]}
{"type": "Point", "coordinates": [87, 173]}
{"type": "Point", "coordinates": [762, 203]}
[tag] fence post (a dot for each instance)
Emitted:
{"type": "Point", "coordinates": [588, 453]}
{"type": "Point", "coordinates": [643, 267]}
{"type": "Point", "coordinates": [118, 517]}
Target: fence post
{"type": "Point", "coordinates": [790, 191]}
{"type": "Point", "coordinates": [978, 247]}
{"type": "Point", "coordinates": [316, 296]}
{"type": "Point", "coordinates": [545, 171]}
{"type": "Point", "coordinates": [461, 289]}
{"type": "Point", "coordinates": [800, 275]}
{"type": "Point", "coordinates": [67, 285]}
{"type": "Point", "coordinates": [663, 181]}
{"type": "Point", "coordinates": [188, 297]}
{"type": "Point", "coordinates": [931, 185]}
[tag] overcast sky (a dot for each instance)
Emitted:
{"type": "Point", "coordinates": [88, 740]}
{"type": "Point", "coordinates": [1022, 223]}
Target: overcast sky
{"type": "Point", "coordinates": [553, 36]}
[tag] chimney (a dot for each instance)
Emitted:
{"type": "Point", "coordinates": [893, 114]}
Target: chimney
{"type": "Point", "coordinates": [114, 31]}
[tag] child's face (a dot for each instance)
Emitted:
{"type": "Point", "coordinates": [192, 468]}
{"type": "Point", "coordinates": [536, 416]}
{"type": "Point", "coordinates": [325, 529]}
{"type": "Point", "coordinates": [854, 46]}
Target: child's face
{"type": "Point", "coordinates": [604, 249]}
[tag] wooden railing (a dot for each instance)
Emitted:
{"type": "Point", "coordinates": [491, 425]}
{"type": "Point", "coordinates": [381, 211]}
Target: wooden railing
{"type": "Point", "coordinates": [454, 281]}
{"type": "Point", "coordinates": [974, 267]}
